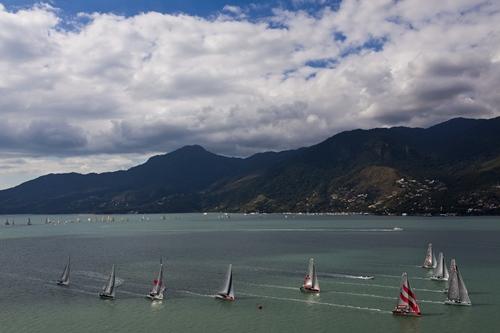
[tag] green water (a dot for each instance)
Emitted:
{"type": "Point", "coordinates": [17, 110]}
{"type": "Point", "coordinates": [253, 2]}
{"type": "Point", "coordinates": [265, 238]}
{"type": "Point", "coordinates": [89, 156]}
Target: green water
{"type": "Point", "coordinates": [269, 254]}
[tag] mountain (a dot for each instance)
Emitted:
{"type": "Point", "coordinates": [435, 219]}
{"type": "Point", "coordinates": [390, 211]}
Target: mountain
{"type": "Point", "coordinates": [452, 167]}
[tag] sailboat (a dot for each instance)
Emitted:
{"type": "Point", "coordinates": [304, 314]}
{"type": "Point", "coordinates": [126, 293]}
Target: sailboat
{"type": "Point", "coordinates": [311, 283]}
{"type": "Point", "coordinates": [407, 302]}
{"type": "Point", "coordinates": [64, 279]}
{"type": "Point", "coordinates": [227, 292]}
{"type": "Point", "coordinates": [430, 259]}
{"type": "Point", "coordinates": [29, 221]}
{"type": "Point", "coordinates": [440, 273]}
{"type": "Point", "coordinates": [156, 293]}
{"type": "Point", "coordinates": [108, 291]}
{"type": "Point", "coordinates": [457, 292]}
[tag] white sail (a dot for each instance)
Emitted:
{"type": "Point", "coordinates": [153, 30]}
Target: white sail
{"type": "Point", "coordinates": [464, 294]}
{"type": "Point", "coordinates": [428, 257]}
{"type": "Point", "coordinates": [440, 273]}
{"type": "Point", "coordinates": [308, 282]}
{"type": "Point", "coordinates": [446, 274]}
{"type": "Point", "coordinates": [457, 292]}
{"type": "Point", "coordinates": [438, 270]}
{"type": "Point", "coordinates": [453, 290]}
{"type": "Point", "coordinates": [64, 280]}
{"type": "Point", "coordinates": [434, 260]}
{"type": "Point", "coordinates": [315, 282]}
{"type": "Point", "coordinates": [228, 283]}
{"type": "Point", "coordinates": [109, 288]}
{"type": "Point", "coordinates": [158, 286]}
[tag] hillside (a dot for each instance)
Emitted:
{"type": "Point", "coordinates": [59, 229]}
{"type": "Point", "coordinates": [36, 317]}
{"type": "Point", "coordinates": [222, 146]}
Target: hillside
{"type": "Point", "coordinates": [452, 167]}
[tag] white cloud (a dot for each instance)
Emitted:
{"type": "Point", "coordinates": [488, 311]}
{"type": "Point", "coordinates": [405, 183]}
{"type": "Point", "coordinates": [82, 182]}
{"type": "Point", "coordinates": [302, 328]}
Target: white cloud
{"type": "Point", "coordinates": [153, 82]}
{"type": "Point", "coordinates": [235, 10]}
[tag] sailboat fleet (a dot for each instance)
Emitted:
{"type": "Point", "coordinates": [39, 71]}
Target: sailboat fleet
{"type": "Point", "coordinates": [407, 304]}
{"type": "Point", "coordinates": [456, 293]}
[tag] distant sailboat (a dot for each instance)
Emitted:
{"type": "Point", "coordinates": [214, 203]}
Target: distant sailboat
{"type": "Point", "coordinates": [227, 292]}
{"type": "Point", "coordinates": [430, 259]}
{"type": "Point", "coordinates": [407, 302]}
{"type": "Point", "coordinates": [7, 222]}
{"type": "Point", "coordinates": [457, 292]}
{"type": "Point", "coordinates": [108, 291]}
{"type": "Point", "coordinates": [64, 280]}
{"type": "Point", "coordinates": [440, 273]}
{"type": "Point", "coordinates": [311, 283]}
{"type": "Point", "coordinates": [156, 293]}
{"type": "Point", "coordinates": [29, 221]}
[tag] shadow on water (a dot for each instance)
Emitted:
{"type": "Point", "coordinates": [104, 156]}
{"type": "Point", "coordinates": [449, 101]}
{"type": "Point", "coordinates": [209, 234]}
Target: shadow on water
{"type": "Point", "coordinates": [433, 314]}
{"type": "Point", "coordinates": [409, 324]}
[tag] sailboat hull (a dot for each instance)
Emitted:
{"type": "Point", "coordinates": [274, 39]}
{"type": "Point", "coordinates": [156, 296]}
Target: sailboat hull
{"type": "Point", "coordinates": [106, 296]}
{"type": "Point", "coordinates": [155, 297]}
{"type": "Point", "coordinates": [309, 290]}
{"type": "Point", "coordinates": [400, 312]}
{"type": "Point", "coordinates": [437, 278]}
{"type": "Point", "coordinates": [224, 297]}
{"type": "Point", "coordinates": [63, 283]}
{"type": "Point", "coordinates": [453, 302]}
{"type": "Point", "coordinates": [427, 266]}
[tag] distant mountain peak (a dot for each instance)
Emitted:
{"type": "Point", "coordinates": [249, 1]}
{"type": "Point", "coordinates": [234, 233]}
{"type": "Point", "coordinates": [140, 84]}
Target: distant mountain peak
{"type": "Point", "coordinates": [452, 167]}
{"type": "Point", "coordinates": [191, 149]}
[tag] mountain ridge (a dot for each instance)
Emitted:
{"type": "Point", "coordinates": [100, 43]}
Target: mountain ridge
{"type": "Point", "coordinates": [451, 167]}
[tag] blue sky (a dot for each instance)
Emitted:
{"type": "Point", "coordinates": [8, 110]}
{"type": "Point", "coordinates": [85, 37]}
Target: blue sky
{"type": "Point", "coordinates": [85, 91]}
{"type": "Point", "coordinates": [202, 8]}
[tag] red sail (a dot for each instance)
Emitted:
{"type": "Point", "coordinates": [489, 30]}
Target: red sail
{"type": "Point", "coordinates": [410, 299]}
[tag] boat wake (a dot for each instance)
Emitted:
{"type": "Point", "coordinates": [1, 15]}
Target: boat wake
{"type": "Point", "coordinates": [91, 275]}
{"type": "Point", "coordinates": [349, 276]}
{"type": "Point", "coordinates": [345, 306]}
{"type": "Point", "coordinates": [320, 230]}
{"type": "Point", "coordinates": [365, 284]}
{"type": "Point", "coordinates": [432, 302]}
{"type": "Point", "coordinates": [361, 294]}
{"type": "Point", "coordinates": [385, 286]}
{"type": "Point", "coordinates": [378, 296]}
{"type": "Point", "coordinates": [398, 277]}
{"type": "Point", "coordinates": [121, 291]}
{"type": "Point", "coordinates": [338, 292]}
{"type": "Point", "coordinates": [97, 276]}
{"type": "Point", "coordinates": [270, 286]}
{"type": "Point", "coordinates": [195, 294]}
{"type": "Point", "coordinates": [72, 289]}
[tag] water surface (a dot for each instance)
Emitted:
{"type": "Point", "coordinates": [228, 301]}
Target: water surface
{"type": "Point", "coordinates": [269, 254]}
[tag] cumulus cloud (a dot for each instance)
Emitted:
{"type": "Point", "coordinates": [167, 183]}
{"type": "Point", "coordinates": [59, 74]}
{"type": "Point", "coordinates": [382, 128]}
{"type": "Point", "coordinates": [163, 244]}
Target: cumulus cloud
{"type": "Point", "coordinates": [100, 83]}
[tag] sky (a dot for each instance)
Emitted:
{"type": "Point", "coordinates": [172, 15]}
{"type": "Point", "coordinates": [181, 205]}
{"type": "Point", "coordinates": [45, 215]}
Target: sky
{"type": "Point", "coordinates": [94, 86]}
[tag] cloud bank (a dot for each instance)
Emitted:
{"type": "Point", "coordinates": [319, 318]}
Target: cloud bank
{"type": "Point", "coordinates": [119, 88]}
